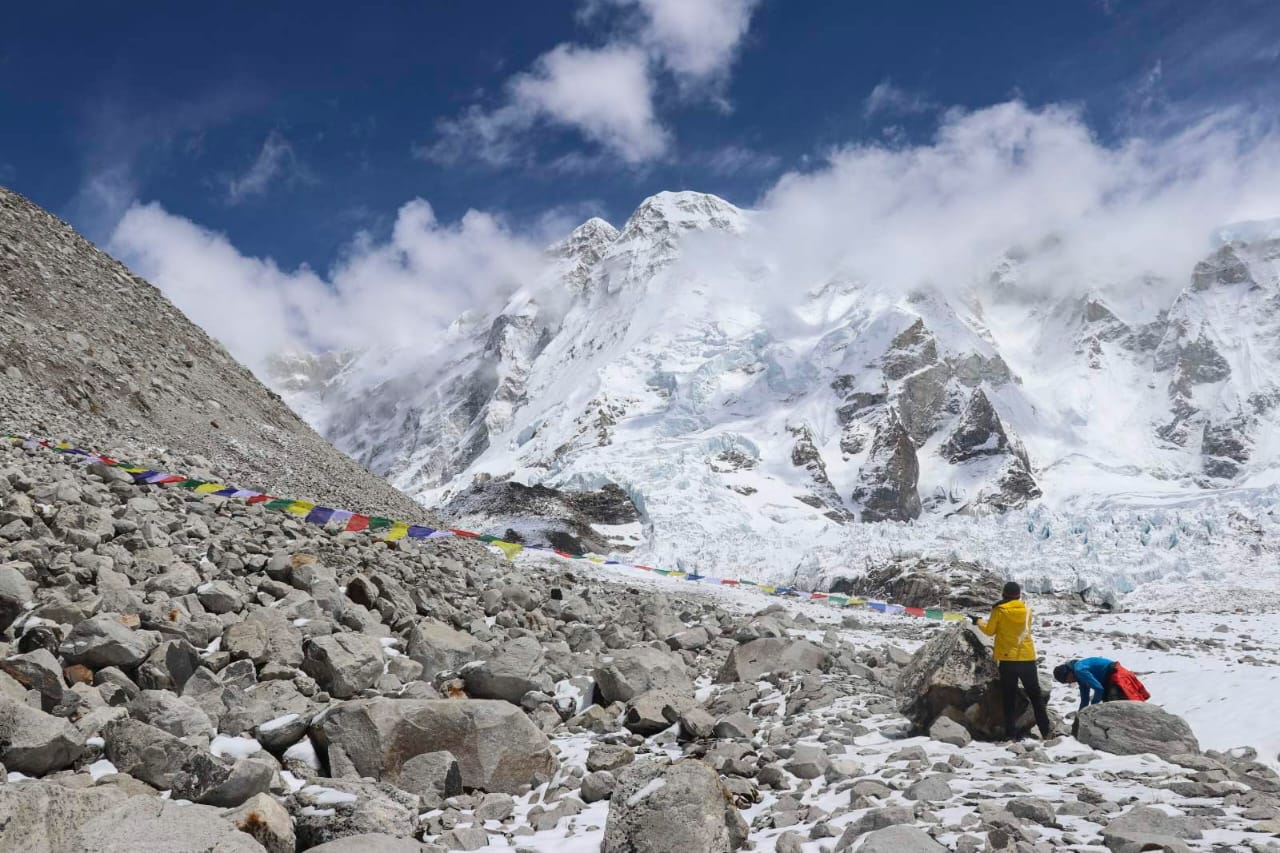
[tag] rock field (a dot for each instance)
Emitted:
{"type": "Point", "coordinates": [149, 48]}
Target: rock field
{"type": "Point", "coordinates": [186, 673]}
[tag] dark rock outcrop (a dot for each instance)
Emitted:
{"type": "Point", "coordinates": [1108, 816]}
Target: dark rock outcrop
{"type": "Point", "coordinates": [888, 478]}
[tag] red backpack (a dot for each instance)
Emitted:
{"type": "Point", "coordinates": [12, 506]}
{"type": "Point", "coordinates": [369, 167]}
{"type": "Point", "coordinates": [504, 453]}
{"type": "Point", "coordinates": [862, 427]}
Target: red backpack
{"type": "Point", "coordinates": [1129, 685]}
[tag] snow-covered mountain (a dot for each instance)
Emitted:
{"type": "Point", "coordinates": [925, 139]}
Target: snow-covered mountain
{"type": "Point", "coordinates": [757, 421]}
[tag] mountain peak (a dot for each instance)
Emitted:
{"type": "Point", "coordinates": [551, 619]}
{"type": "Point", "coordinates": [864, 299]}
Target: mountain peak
{"type": "Point", "coordinates": [685, 210]}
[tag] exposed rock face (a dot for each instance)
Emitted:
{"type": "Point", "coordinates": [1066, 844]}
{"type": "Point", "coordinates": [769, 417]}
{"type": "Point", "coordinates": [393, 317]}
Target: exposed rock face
{"type": "Point", "coordinates": [950, 584]}
{"type": "Point", "coordinates": [887, 480]}
{"type": "Point", "coordinates": [539, 515]}
{"type": "Point", "coordinates": [637, 670]}
{"type": "Point", "coordinates": [1132, 728]}
{"type": "Point", "coordinates": [680, 808]}
{"type": "Point", "coordinates": [749, 661]}
{"type": "Point", "coordinates": [821, 494]}
{"type": "Point", "coordinates": [954, 675]}
{"type": "Point", "coordinates": [496, 746]}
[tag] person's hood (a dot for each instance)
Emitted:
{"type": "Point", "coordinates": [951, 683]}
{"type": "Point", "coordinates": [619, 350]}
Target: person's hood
{"type": "Point", "coordinates": [1016, 609]}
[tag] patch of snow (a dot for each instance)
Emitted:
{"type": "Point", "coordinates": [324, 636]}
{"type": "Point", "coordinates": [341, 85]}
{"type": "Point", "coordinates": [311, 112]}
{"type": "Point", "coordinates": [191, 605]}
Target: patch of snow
{"type": "Point", "coordinates": [100, 768]}
{"type": "Point", "coordinates": [651, 787]}
{"type": "Point", "coordinates": [227, 746]}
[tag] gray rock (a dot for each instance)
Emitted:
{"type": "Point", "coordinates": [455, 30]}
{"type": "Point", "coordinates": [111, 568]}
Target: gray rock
{"type": "Point", "coordinates": [1033, 809]}
{"type": "Point", "coordinates": [153, 825]}
{"type": "Point", "coordinates": [947, 730]}
{"type": "Point", "coordinates": [607, 756]}
{"type": "Point", "coordinates": [369, 842]}
{"type": "Point", "coordinates": [208, 780]}
{"type": "Point", "coordinates": [749, 661]}
{"type": "Point", "coordinates": [875, 818]}
{"type": "Point", "coordinates": [104, 641]}
{"type": "Point", "coordinates": [45, 816]}
{"type": "Point", "coordinates": [145, 752]}
{"type": "Point", "coordinates": [497, 747]}
{"type": "Point", "coordinates": [1131, 728]}
{"type": "Point", "coordinates": [220, 597]}
{"type": "Point", "coordinates": [597, 786]}
{"type": "Point", "coordinates": [899, 839]}
{"type": "Point", "coordinates": [168, 666]}
{"type": "Point", "coordinates": [37, 670]}
{"type": "Point", "coordinates": [344, 807]}
{"type": "Point", "coordinates": [887, 480]}
{"type": "Point", "coordinates": [34, 742]}
{"type": "Point", "coordinates": [431, 772]}
{"type": "Point", "coordinates": [167, 712]}
{"type": "Point", "coordinates": [343, 664]}
{"type": "Point", "coordinates": [809, 762]}
{"type": "Point", "coordinates": [677, 808]}
{"type": "Point", "coordinates": [654, 711]}
{"type": "Point", "coordinates": [1145, 828]}
{"type": "Point", "coordinates": [495, 807]}
{"type": "Point", "coordinates": [439, 648]}
{"type": "Point", "coordinates": [264, 636]}
{"type": "Point", "coordinates": [735, 726]}
{"type": "Point", "coordinates": [266, 821]}
{"type": "Point", "coordinates": [511, 671]}
{"type": "Point", "coordinates": [637, 670]}
{"type": "Point", "coordinates": [930, 790]}
{"type": "Point", "coordinates": [465, 838]}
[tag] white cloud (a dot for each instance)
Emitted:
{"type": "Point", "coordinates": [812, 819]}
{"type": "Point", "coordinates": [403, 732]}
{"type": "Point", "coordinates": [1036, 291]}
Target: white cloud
{"type": "Point", "coordinates": [939, 214]}
{"type": "Point", "coordinates": [607, 94]}
{"type": "Point", "coordinates": [401, 291]}
{"type": "Point", "coordinates": [888, 99]}
{"type": "Point", "coordinates": [276, 160]}
{"type": "Point", "coordinates": [738, 159]}
{"type": "Point", "coordinates": [695, 39]}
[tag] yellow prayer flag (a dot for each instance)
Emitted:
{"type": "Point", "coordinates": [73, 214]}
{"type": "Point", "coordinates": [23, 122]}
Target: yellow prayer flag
{"type": "Point", "coordinates": [299, 508]}
{"type": "Point", "coordinates": [208, 488]}
{"type": "Point", "coordinates": [398, 530]}
{"type": "Point", "coordinates": [767, 590]}
{"type": "Point", "coordinates": [596, 559]}
{"type": "Point", "coordinates": [508, 548]}
{"type": "Point", "coordinates": [856, 602]}
{"type": "Point", "coordinates": [952, 617]}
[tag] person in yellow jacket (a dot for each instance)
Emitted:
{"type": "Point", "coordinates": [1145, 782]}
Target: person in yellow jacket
{"type": "Point", "coordinates": [1015, 653]}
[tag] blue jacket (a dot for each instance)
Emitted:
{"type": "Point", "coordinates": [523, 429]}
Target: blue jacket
{"type": "Point", "coordinates": [1091, 675]}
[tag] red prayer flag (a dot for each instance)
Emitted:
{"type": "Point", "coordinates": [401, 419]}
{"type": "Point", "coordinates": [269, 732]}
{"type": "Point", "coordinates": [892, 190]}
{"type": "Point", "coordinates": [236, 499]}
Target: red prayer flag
{"type": "Point", "coordinates": [357, 523]}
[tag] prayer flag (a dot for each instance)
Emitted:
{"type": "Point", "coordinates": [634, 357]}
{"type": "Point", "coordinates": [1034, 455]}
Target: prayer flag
{"type": "Point", "coordinates": [398, 530]}
{"type": "Point", "coordinates": [510, 549]}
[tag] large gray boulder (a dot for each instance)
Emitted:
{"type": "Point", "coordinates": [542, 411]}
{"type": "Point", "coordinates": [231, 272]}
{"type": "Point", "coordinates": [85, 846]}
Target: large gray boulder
{"type": "Point", "coordinates": [676, 808]}
{"type": "Point", "coordinates": [165, 711]}
{"type": "Point", "coordinates": [899, 839]}
{"type": "Point", "coordinates": [264, 636]}
{"type": "Point", "coordinates": [954, 675]}
{"type": "Point", "coordinates": [1132, 728]}
{"type": "Point", "coordinates": [341, 808]}
{"type": "Point", "coordinates": [343, 664]}
{"type": "Point", "coordinates": [511, 671]}
{"type": "Point", "coordinates": [639, 670]}
{"type": "Point", "coordinates": [34, 742]}
{"type": "Point", "coordinates": [369, 842]}
{"type": "Point", "coordinates": [210, 781]}
{"type": "Point", "coordinates": [497, 747]}
{"type": "Point", "coordinates": [153, 825]}
{"type": "Point", "coordinates": [270, 824]}
{"type": "Point", "coordinates": [438, 647]}
{"type": "Point", "coordinates": [1148, 828]}
{"type": "Point", "coordinates": [145, 752]}
{"type": "Point", "coordinates": [43, 816]}
{"type": "Point", "coordinates": [750, 661]}
{"type": "Point", "coordinates": [37, 670]}
{"type": "Point", "coordinates": [103, 640]}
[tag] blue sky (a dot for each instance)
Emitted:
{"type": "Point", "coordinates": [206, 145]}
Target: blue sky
{"type": "Point", "coordinates": [289, 137]}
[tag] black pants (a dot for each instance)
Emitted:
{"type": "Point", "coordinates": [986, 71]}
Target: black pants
{"type": "Point", "coordinates": [1011, 672]}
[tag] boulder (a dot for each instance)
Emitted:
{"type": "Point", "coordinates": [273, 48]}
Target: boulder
{"type": "Point", "coordinates": [264, 636]}
{"type": "Point", "coordinates": [633, 671]}
{"type": "Point", "coordinates": [1132, 728]}
{"type": "Point", "coordinates": [145, 752]}
{"type": "Point", "coordinates": [37, 670]}
{"type": "Point", "coordinates": [268, 822]}
{"type": "Point", "coordinates": [749, 661]}
{"type": "Point", "coordinates": [508, 673]}
{"type": "Point", "coordinates": [103, 640]}
{"type": "Point", "coordinates": [431, 772]}
{"type": "Point", "coordinates": [45, 816]}
{"type": "Point", "coordinates": [597, 786]}
{"type": "Point", "coordinates": [439, 648]}
{"type": "Point", "coordinates": [954, 675]}
{"type": "Point", "coordinates": [654, 711]}
{"type": "Point", "coordinates": [34, 742]}
{"type": "Point", "coordinates": [144, 824]}
{"type": "Point", "coordinates": [369, 842]}
{"type": "Point", "coordinates": [167, 712]}
{"type": "Point", "coordinates": [1149, 828]}
{"type": "Point", "coordinates": [497, 747]}
{"type": "Point", "coordinates": [900, 839]}
{"type": "Point", "coordinates": [947, 730]}
{"type": "Point", "coordinates": [345, 807]}
{"type": "Point", "coordinates": [208, 780]}
{"type": "Point", "coordinates": [343, 664]}
{"type": "Point", "coordinates": [675, 808]}
{"type": "Point", "coordinates": [168, 666]}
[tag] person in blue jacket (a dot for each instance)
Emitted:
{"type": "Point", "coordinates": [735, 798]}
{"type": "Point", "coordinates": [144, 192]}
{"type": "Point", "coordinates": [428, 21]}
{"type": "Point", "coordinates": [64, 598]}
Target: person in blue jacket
{"type": "Point", "coordinates": [1095, 676]}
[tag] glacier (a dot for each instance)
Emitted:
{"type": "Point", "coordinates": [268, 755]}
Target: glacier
{"type": "Point", "coordinates": [800, 422]}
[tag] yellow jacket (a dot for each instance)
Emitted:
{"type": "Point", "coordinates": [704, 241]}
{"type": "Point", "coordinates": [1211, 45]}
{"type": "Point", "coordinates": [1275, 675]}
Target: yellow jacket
{"type": "Point", "coordinates": [1010, 624]}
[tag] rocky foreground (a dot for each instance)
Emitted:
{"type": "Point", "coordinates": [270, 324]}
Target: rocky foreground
{"type": "Point", "coordinates": [185, 673]}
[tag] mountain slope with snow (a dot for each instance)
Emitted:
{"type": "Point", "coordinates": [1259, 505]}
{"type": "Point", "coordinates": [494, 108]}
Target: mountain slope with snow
{"type": "Point", "coordinates": [758, 416]}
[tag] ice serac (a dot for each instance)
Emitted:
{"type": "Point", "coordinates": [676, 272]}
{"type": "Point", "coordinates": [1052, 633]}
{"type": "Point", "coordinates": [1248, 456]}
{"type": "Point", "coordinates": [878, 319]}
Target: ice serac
{"type": "Point", "coordinates": [752, 408]}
